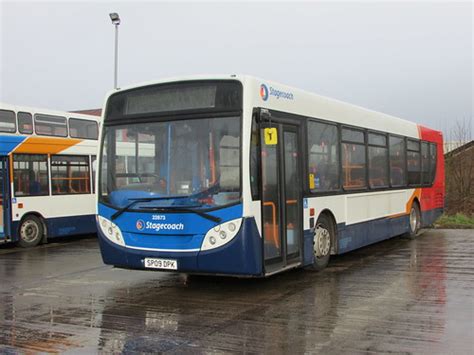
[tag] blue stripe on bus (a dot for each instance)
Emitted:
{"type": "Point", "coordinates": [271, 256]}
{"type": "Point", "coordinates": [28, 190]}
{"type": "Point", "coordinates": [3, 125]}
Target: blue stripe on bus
{"type": "Point", "coordinates": [9, 143]}
{"type": "Point", "coordinates": [354, 236]}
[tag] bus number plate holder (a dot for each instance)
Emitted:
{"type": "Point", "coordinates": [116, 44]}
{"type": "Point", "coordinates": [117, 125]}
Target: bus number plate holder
{"type": "Point", "coordinates": [155, 263]}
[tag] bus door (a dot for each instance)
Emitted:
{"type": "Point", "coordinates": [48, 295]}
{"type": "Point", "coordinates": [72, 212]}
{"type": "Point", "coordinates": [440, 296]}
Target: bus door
{"type": "Point", "coordinates": [281, 189]}
{"type": "Point", "coordinates": [4, 198]}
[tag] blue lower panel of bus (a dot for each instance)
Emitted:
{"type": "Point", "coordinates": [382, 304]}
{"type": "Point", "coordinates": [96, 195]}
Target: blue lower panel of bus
{"type": "Point", "coordinates": [64, 226]}
{"type": "Point", "coordinates": [358, 235]}
{"type": "Point", "coordinates": [241, 256]}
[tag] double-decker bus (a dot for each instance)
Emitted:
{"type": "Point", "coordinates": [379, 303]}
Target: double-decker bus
{"type": "Point", "coordinates": [47, 161]}
{"type": "Point", "coordinates": [235, 175]}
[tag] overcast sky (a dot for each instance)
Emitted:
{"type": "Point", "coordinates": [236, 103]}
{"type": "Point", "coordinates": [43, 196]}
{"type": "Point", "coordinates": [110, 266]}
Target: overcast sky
{"type": "Point", "coordinates": [409, 59]}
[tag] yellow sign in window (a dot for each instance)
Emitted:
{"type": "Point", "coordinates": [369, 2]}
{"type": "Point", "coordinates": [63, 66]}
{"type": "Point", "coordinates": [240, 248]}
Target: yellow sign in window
{"type": "Point", "coordinates": [271, 136]}
{"type": "Point", "coordinates": [311, 181]}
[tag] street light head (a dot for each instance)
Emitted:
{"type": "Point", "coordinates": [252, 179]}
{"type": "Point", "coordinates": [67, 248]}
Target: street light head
{"type": "Point", "coordinates": [115, 18]}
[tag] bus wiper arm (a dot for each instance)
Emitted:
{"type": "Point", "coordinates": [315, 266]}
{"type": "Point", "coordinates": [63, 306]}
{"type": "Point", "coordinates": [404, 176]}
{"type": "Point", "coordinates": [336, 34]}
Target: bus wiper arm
{"type": "Point", "coordinates": [123, 209]}
{"type": "Point", "coordinates": [165, 209]}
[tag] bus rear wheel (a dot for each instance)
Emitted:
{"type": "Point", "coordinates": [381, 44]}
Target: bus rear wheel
{"type": "Point", "coordinates": [414, 221]}
{"type": "Point", "coordinates": [322, 240]}
{"type": "Point", "coordinates": [30, 231]}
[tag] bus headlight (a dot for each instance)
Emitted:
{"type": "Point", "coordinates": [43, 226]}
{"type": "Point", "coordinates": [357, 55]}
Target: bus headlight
{"type": "Point", "coordinates": [221, 234]}
{"type": "Point", "coordinates": [111, 231]}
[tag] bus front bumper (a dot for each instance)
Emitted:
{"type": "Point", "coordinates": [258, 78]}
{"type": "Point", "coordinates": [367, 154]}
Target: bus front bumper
{"type": "Point", "coordinates": [241, 257]}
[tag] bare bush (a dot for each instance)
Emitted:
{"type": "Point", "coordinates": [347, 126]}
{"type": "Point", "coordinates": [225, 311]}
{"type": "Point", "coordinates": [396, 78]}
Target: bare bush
{"type": "Point", "coordinates": [460, 169]}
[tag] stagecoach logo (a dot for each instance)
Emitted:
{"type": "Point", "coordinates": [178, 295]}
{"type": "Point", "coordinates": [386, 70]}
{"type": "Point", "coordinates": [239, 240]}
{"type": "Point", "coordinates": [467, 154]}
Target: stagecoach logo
{"type": "Point", "coordinates": [154, 226]}
{"type": "Point", "coordinates": [266, 92]}
{"type": "Point", "coordinates": [140, 224]}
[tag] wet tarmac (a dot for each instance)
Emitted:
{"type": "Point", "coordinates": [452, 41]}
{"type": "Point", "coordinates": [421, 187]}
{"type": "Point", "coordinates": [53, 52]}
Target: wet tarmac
{"type": "Point", "coordinates": [402, 296]}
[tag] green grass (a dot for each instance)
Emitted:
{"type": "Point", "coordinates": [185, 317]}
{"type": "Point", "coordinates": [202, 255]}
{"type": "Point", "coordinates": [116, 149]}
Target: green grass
{"type": "Point", "coordinates": [457, 220]}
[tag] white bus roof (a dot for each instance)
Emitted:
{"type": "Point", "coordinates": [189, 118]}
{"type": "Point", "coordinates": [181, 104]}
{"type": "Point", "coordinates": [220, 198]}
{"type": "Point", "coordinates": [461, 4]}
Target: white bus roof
{"type": "Point", "coordinates": [18, 108]}
{"type": "Point", "coordinates": [303, 103]}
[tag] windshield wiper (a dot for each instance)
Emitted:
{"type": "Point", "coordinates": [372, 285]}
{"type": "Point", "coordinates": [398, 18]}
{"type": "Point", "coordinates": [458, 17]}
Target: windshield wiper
{"type": "Point", "coordinates": [144, 199]}
{"type": "Point", "coordinates": [165, 209]}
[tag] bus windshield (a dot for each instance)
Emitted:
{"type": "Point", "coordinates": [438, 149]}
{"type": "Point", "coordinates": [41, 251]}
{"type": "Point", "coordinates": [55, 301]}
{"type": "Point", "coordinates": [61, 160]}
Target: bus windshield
{"type": "Point", "coordinates": [192, 163]}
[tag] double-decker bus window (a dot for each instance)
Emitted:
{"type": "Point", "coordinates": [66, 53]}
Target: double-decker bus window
{"type": "Point", "coordinates": [86, 129]}
{"type": "Point", "coordinates": [323, 156]}
{"type": "Point", "coordinates": [353, 159]}
{"type": "Point", "coordinates": [70, 174]}
{"type": "Point", "coordinates": [7, 121]}
{"type": "Point", "coordinates": [432, 162]}
{"type": "Point", "coordinates": [49, 125]}
{"type": "Point", "coordinates": [397, 161]}
{"type": "Point", "coordinates": [378, 160]}
{"type": "Point", "coordinates": [25, 123]}
{"type": "Point", "coordinates": [413, 162]}
{"type": "Point", "coordinates": [425, 164]}
{"type": "Point", "coordinates": [30, 174]}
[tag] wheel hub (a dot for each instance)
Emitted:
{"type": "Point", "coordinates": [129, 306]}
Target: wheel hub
{"type": "Point", "coordinates": [322, 242]}
{"type": "Point", "coordinates": [29, 231]}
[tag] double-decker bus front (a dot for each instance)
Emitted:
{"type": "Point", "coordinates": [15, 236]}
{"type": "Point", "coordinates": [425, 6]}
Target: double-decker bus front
{"type": "Point", "coordinates": [170, 180]}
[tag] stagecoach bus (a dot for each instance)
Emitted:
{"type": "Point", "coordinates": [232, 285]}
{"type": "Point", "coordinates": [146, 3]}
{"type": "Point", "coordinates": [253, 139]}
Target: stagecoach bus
{"type": "Point", "coordinates": [46, 174]}
{"type": "Point", "coordinates": [236, 175]}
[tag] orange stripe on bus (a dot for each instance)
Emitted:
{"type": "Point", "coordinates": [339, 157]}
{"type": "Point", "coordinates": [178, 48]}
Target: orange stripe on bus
{"type": "Point", "coordinates": [417, 194]}
{"type": "Point", "coordinates": [46, 145]}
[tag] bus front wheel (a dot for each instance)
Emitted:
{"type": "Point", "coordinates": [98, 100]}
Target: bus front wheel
{"type": "Point", "coordinates": [31, 232]}
{"type": "Point", "coordinates": [323, 237]}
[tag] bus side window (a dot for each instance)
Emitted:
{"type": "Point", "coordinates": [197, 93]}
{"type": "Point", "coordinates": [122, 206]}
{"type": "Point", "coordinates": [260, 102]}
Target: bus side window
{"type": "Point", "coordinates": [397, 161]}
{"type": "Point", "coordinates": [378, 160]}
{"type": "Point", "coordinates": [323, 156]}
{"type": "Point", "coordinates": [353, 159]}
{"type": "Point", "coordinates": [25, 123]}
{"type": "Point", "coordinates": [70, 174]}
{"type": "Point", "coordinates": [80, 128]}
{"type": "Point", "coordinates": [425, 163]}
{"type": "Point", "coordinates": [30, 174]}
{"type": "Point", "coordinates": [413, 162]}
{"type": "Point", "coordinates": [7, 121]}
{"type": "Point", "coordinates": [433, 162]}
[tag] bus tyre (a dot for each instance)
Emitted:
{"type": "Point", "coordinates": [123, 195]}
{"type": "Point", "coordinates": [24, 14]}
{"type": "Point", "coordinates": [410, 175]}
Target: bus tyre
{"type": "Point", "coordinates": [323, 237]}
{"type": "Point", "coordinates": [414, 221]}
{"type": "Point", "coordinates": [31, 232]}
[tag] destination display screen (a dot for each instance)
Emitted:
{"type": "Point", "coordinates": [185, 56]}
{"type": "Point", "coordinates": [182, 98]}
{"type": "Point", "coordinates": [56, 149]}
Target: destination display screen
{"type": "Point", "coordinates": [175, 98]}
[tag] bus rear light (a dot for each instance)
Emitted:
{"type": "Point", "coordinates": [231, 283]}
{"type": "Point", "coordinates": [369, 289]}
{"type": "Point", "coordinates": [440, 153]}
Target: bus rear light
{"type": "Point", "coordinates": [221, 234]}
{"type": "Point", "coordinates": [20, 205]}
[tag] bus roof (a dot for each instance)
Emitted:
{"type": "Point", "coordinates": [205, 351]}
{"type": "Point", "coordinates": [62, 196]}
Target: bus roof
{"type": "Point", "coordinates": [18, 108]}
{"type": "Point", "coordinates": [310, 104]}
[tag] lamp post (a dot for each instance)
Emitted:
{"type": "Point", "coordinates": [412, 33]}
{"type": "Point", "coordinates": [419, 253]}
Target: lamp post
{"type": "Point", "coordinates": [116, 22]}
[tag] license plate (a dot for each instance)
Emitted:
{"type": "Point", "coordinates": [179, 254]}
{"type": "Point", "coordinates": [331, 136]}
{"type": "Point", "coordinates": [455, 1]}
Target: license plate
{"type": "Point", "coordinates": [154, 263]}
